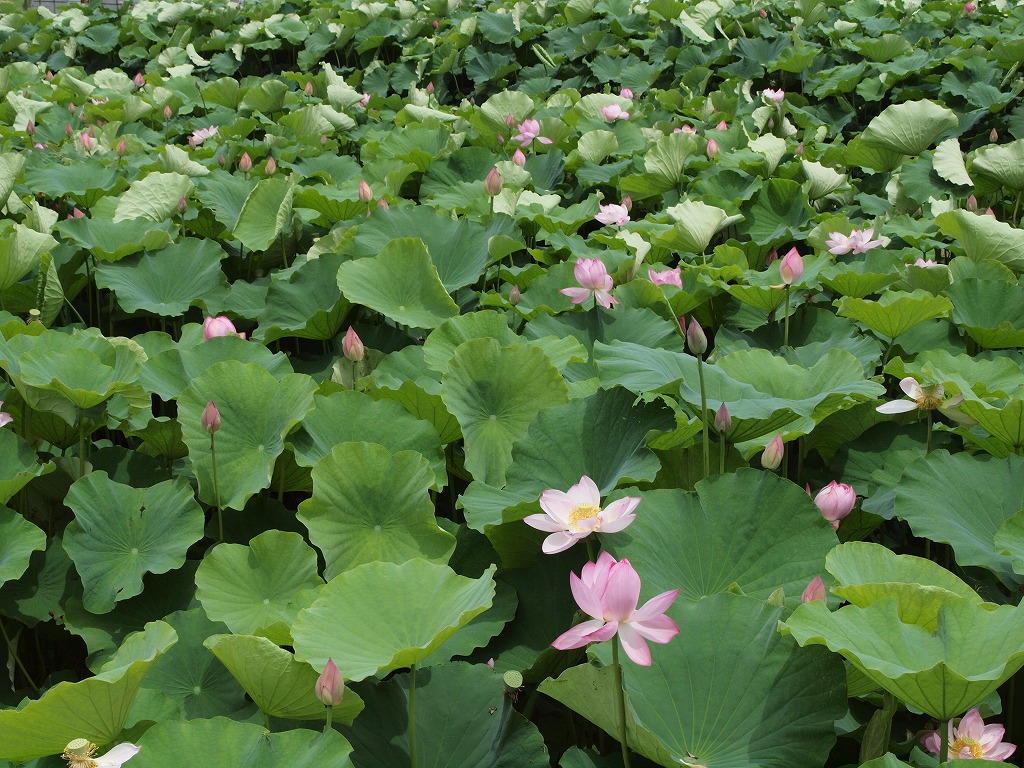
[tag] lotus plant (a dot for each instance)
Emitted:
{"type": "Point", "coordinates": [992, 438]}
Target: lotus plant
{"type": "Point", "coordinates": [613, 214]}
{"type": "Point", "coordinates": [697, 344]}
{"type": "Point", "coordinates": [836, 501]}
{"type": "Point", "coordinates": [79, 754]}
{"type": "Point", "coordinates": [613, 112]}
{"type": "Point", "coordinates": [330, 689]}
{"type": "Point", "coordinates": [791, 269]}
{"type": "Point", "coordinates": [814, 591]}
{"type": "Point", "coordinates": [666, 277]}
{"type": "Point", "coordinates": [970, 740]}
{"type": "Point", "coordinates": [594, 280]}
{"type": "Point", "coordinates": [210, 422]}
{"type": "Point", "coordinates": [927, 399]}
{"type": "Point", "coordinates": [771, 458]}
{"type": "Point", "coordinates": [5, 418]}
{"type": "Point", "coordinates": [352, 348]}
{"type": "Point", "coordinates": [529, 131]}
{"type": "Point", "coordinates": [858, 241]}
{"type": "Point", "coordinates": [574, 514]}
{"type": "Point", "coordinates": [219, 326]}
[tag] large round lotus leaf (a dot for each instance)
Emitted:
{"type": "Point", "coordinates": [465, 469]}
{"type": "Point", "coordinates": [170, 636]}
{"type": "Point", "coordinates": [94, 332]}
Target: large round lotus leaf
{"type": "Point", "coordinates": [909, 128]}
{"type": "Point", "coordinates": [93, 709]}
{"type": "Point", "coordinates": [304, 302]}
{"type": "Point", "coordinates": [728, 692]}
{"type": "Point", "coordinates": [464, 719]}
{"type": "Point", "coordinates": [495, 392]}
{"type": "Point", "coordinates": [18, 540]}
{"type": "Point", "coordinates": [280, 685]}
{"type": "Point", "coordinates": [383, 616]}
{"type": "Point", "coordinates": [750, 529]}
{"type": "Point", "coordinates": [256, 411]}
{"type": "Point", "coordinates": [349, 416]}
{"type": "Point", "coordinates": [1010, 541]}
{"type": "Point", "coordinates": [866, 573]}
{"type": "Point", "coordinates": [439, 347]}
{"type": "Point", "coordinates": [1001, 164]}
{"type": "Point", "coordinates": [20, 251]}
{"type": "Point", "coordinates": [188, 673]}
{"type": "Point", "coordinates": [404, 377]}
{"type": "Point", "coordinates": [168, 282]}
{"type": "Point", "coordinates": [86, 180]}
{"type": "Point", "coordinates": [222, 742]}
{"type": "Point", "coordinates": [944, 673]}
{"type": "Point", "coordinates": [119, 533]}
{"type": "Point", "coordinates": [480, 630]}
{"type": "Point", "coordinates": [38, 594]}
{"type": "Point", "coordinates": [991, 311]}
{"type": "Point", "coordinates": [110, 242]}
{"type": "Point", "coordinates": [401, 283]}
{"type": "Point", "coordinates": [962, 500]}
{"type": "Point", "coordinates": [895, 312]}
{"type": "Point", "coordinates": [695, 224]}
{"type": "Point", "coordinates": [250, 588]}
{"type": "Point", "coordinates": [779, 208]}
{"type": "Point", "coordinates": [370, 505]}
{"type": "Point", "coordinates": [984, 237]}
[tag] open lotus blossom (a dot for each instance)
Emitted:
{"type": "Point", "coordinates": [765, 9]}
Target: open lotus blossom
{"type": "Point", "coordinates": [774, 95]}
{"type": "Point", "coordinates": [972, 740]}
{"type": "Point", "coordinates": [529, 130]}
{"type": "Point", "coordinates": [666, 277]}
{"type": "Point", "coordinates": [219, 326]}
{"type": "Point", "coordinates": [609, 591]}
{"type": "Point", "coordinates": [613, 112]}
{"type": "Point", "coordinates": [684, 129]}
{"type": "Point", "coordinates": [836, 501]}
{"type": "Point", "coordinates": [926, 263]}
{"type": "Point", "coordinates": [202, 134]}
{"type": "Point", "coordinates": [613, 214]}
{"type": "Point", "coordinates": [575, 514]}
{"type": "Point", "coordinates": [593, 277]}
{"type": "Point", "coordinates": [927, 399]}
{"type": "Point", "coordinates": [79, 754]}
{"type": "Point", "coordinates": [5, 418]}
{"type": "Point", "coordinates": [858, 241]}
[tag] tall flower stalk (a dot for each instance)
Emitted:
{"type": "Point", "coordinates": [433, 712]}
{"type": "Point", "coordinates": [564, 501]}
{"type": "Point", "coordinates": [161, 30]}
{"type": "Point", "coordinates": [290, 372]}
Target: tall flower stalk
{"type": "Point", "coordinates": [211, 423]}
{"type": "Point", "coordinates": [697, 343]}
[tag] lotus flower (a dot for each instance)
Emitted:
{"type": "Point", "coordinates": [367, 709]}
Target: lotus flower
{"type": "Point", "coordinates": [970, 8]}
{"type": "Point", "coordinates": [593, 277]}
{"type": "Point", "coordinates": [626, 93]}
{"type": "Point", "coordinates": [365, 192]}
{"type": "Point", "coordinates": [926, 263]}
{"type": "Point", "coordinates": [613, 112]}
{"type": "Point", "coordinates": [927, 399]}
{"type": "Point", "coordinates": [609, 590]}
{"type": "Point", "coordinates": [613, 214]}
{"type": "Point", "coordinates": [330, 686]}
{"type": "Point", "coordinates": [5, 418]}
{"type": "Point", "coordinates": [712, 148]}
{"type": "Point", "coordinates": [792, 267]}
{"type": "Point", "coordinates": [202, 134]}
{"type": "Point", "coordinates": [666, 277]}
{"type": "Point", "coordinates": [365, 100]}
{"type": "Point", "coordinates": [684, 129]}
{"type": "Point", "coordinates": [575, 514]}
{"type": "Point", "coordinates": [723, 419]}
{"type": "Point", "coordinates": [771, 458]}
{"type": "Point", "coordinates": [774, 95]}
{"type": "Point", "coordinates": [245, 163]}
{"type": "Point", "coordinates": [79, 754]}
{"type": "Point", "coordinates": [210, 420]}
{"type": "Point", "coordinates": [836, 501]}
{"type": "Point", "coordinates": [972, 740]}
{"type": "Point", "coordinates": [814, 591]}
{"type": "Point", "coordinates": [696, 339]}
{"type": "Point", "coordinates": [519, 158]}
{"type": "Point", "coordinates": [492, 184]}
{"type": "Point", "coordinates": [858, 241]}
{"type": "Point", "coordinates": [219, 326]}
{"type": "Point", "coordinates": [352, 346]}
{"type": "Point", "coordinates": [528, 131]}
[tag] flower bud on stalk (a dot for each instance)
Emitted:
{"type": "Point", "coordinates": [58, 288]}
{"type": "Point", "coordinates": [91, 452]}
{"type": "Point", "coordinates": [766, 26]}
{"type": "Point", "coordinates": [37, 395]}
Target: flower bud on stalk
{"type": "Point", "coordinates": [773, 452]}
{"type": "Point", "coordinates": [245, 163]}
{"type": "Point", "coordinates": [696, 340]}
{"type": "Point", "coordinates": [210, 418]}
{"type": "Point", "coordinates": [723, 420]}
{"type": "Point", "coordinates": [352, 346]}
{"type": "Point", "coordinates": [492, 184]}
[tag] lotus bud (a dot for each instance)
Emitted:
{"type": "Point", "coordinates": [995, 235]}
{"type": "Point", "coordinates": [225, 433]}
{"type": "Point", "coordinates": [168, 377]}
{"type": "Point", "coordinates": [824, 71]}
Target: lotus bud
{"type": "Point", "coordinates": [76, 214]}
{"type": "Point", "coordinates": [792, 267]}
{"type": "Point", "coordinates": [773, 452]}
{"type": "Point", "coordinates": [383, 204]}
{"type": "Point", "coordinates": [514, 295]}
{"type": "Point", "coordinates": [430, 88]}
{"type": "Point", "coordinates": [994, 135]}
{"type": "Point", "coordinates": [49, 75]}
{"type": "Point", "coordinates": [365, 193]}
{"type": "Point", "coordinates": [510, 121]}
{"type": "Point", "coordinates": [271, 167]}
{"type": "Point", "coordinates": [365, 100]}
{"type": "Point", "coordinates": [723, 420]}
{"type": "Point", "coordinates": [519, 158]}
{"type": "Point", "coordinates": [712, 147]}
{"type": "Point", "coordinates": [722, 126]}
{"type": "Point", "coordinates": [501, 139]}
{"type": "Point", "coordinates": [352, 346]}
{"type": "Point", "coordinates": [219, 326]}
{"type": "Point", "coordinates": [627, 203]}
{"type": "Point", "coordinates": [799, 149]}
{"type": "Point", "coordinates": [139, 80]}
{"type": "Point", "coordinates": [191, 142]}
{"type": "Point", "coordinates": [71, 107]}
{"type": "Point", "coordinates": [836, 501]}
{"type": "Point", "coordinates": [814, 591]}
{"type": "Point", "coordinates": [245, 163]}
{"type": "Point", "coordinates": [87, 142]}
{"type": "Point", "coordinates": [182, 204]}
{"type": "Point", "coordinates": [990, 212]}
{"type": "Point", "coordinates": [970, 8]}
{"type": "Point", "coordinates": [807, 488]}
{"type": "Point", "coordinates": [167, 112]}
{"type": "Point", "coordinates": [626, 93]}
{"type": "Point", "coordinates": [492, 184]}
{"type": "Point", "coordinates": [308, 90]}
{"type": "Point", "coordinates": [696, 341]}
{"type": "Point", "coordinates": [30, 128]}
{"type": "Point", "coordinates": [330, 686]}
{"type": "Point", "coordinates": [772, 256]}
{"type": "Point", "coordinates": [762, 13]}
{"type": "Point", "coordinates": [435, 23]}
{"type": "Point", "coordinates": [490, 663]}
{"type": "Point", "coordinates": [972, 203]}
{"type": "Point", "coordinates": [68, 130]}
{"type": "Point", "coordinates": [210, 418]}
{"type": "Point", "coordinates": [221, 161]}
{"type": "Point", "coordinates": [323, 140]}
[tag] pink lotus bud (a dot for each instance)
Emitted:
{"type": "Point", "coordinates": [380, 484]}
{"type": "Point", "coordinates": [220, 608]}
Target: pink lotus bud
{"type": "Point", "coordinates": [772, 256]}
{"type": "Point", "coordinates": [191, 142]}
{"type": "Point", "coordinates": [510, 121]}
{"type": "Point", "coordinates": [762, 13]}
{"type": "Point", "coordinates": [139, 79]}
{"type": "Point", "coordinates": [71, 107]}
{"type": "Point", "coordinates": [182, 204]}
{"type": "Point", "coordinates": [221, 161]}
{"type": "Point", "coordinates": [435, 24]}
{"type": "Point", "coordinates": [365, 193]}
{"type": "Point", "coordinates": [501, 139]}
{"type": "Point", "coordinates": [122, 147]}
{"type": "Point", "coordinates": [994, 135]}
{"type": "Point", "coordinates": [167, 112]}
{"type": "Point", "coordinates": [383, 204]}
{"type": "Point", "coordinates": [352, 346]}
{"type": "Point", "coordinates": [87, 142]}
{"type": "Point", "coordinates": [990, 212]}
{"type": "Point", "coordinates": [430, 88]}
{"type": "Point", "coordinates": [723, 421]}
{"type": "Point", "coordinates": [519, 158]}
{"type": "Point", "coordinates": [330, 686]}
{"type": "Point", "coordinates": [792, 267]}
{"type": "Point", "coordinates": [696, 341]}
{"type": "Point", "coordinates": [245, 163]}
{"type": "Point", "coordinates": [323, 140]}
{"type": "Point", "coordinates": [514, 295]}
{"type": "Point", "coordinates": [271, 167]}
{"type": "Point", "coordinates": [712, 147]}
{"type": "Point", "coordinates": [836, 501]}
{"type": "Point", "coordinates": [970, 8]}
{"type": "Point", "coordinates": [490, 663]}
{"type": "Point", "coordinates": [210, 418]}
{"type": "Point", "coordinates": [807, 488]}
{"type": "Point", "coordinates": [492, 184]}
{"type": "Point", "coordinates": [972, 203]}
{"type": "Point", "coordinates": [814, 591]}
{"type": "Point", "coordinates": [799, 149]}
{"type": "Point", "coordinates": [626, 93]}
{"type": "Point", "coordinates": [773, 452]}
{"type": "Point", "coordinates": [722, 126]}
{"type": "Point", "coordinates": [49, 75]}
{"type": "Point", "coordinates": [76, 214]}
{"type": "Point", "coordinates": [308, 90]}
{"type": "Point", "coordinates": [68, 130]}
{"type": "Point", "coordinates": [627, 203]}
{"type": "Point", "coordinates": [30, 128]}
{"type": "Point", "coordinates": [219, 326]}
{"type": "Point", "coordinates": [363, 101]}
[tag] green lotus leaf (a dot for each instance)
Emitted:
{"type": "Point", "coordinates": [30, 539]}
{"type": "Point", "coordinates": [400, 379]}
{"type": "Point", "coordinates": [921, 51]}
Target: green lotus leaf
{"type": "Point", "coordinates": [822, 180]}
{"type": "Point", "coordinates": [84, 180]}
{"type": "Point", "coordinates": [93, 709]}
{"type": "Point", "coordinates": [154, 197]}
{"type": "Point", "coordinates": [331, 203]}
{"type": "Point", "coordinates": [943, 673]}
{"type": "Point", "coordinates": [109, 241]}
{"type": "Point", "coordinates": [256, 411]}
{"type": "Point", "coordinates": [464, 719]}
{"type": "Point", "coordinates": [38, 594]}
{"type": "Point", "coordinates": [225, 195]}
{"type": "Point", "coordinates": [404, 377]}
{"type": "Point", "coordinates": [874, 158]}
{"type": "Point", "coordinates": [866, 573]}
{"type": "Point", "coordinates": [1003, 422]}
{"type": "Point", "coordinates": [1001, 165]}
{"type": "Point", "coordinates": [777, 210]}
{"type": "Point", "coordinates": [665, 162]}
{"type": "Point", "coordinates": [280, 685]}
{"type": "Point", "coordinates": [695, 224]}
{"type": "Point", "coordinates": [855, 281]}
{"type": "Point", "coordinates": [895, 312]}
{"type": "Point", "coordinates": [990, 311]}
{"type": "Point", "coordinates": [976, 377]}
{"type": "Point", "coordinates": [18, 465]}
{"type": "Point", "coordinates": [18, 540]}
{"type": "Point", "coordinates": [304, 302]}
{"type": "Point", "coordinates": [909, 128]}
{"type": "Point", "coordinates": [384, 616]}
{"type": "Point", "coordinates": [984, 237]}
{"type": "Point", "coordinates": [480, 631]}
{"type": "Point", "coordinates": [10, 166]}
{"type": "Point", "coordinates": [119, 533]}
{"type": "Point", "coordinates": [169, 282]}
{"type": "Point", "coordinates": [439, 347]}
{"type": "Point", "coordinates": [266, 213]}
{"type": "Point", "coordinates": [20, 250]}
{"type": "Point", "coordinates": [250, 588]}
{"type": "Point", "coordinates": [206, 742]}
{"type": "Point", "coordinates": [1010, 541]}
{"type": "Point", "coordinates": [401, 282]}
{"type": "Point", "coordinates": [728, 692]}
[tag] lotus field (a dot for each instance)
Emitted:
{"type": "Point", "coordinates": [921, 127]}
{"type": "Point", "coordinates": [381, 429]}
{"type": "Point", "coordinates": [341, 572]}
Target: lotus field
{"type": "Point", "coordinates": [593, 384]}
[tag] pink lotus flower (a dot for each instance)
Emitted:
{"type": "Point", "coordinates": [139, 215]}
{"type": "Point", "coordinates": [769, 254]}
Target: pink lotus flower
{"type": "Point", "coordinates": [774, 95]}
{"type": "Point", "coordinates": [836, 501]}
{"type": "Point", "coordinates": [122, 147]}
{"type": "Point", "coordinates": [167, 112]}
{"type": "Point", "coordinates": [684, 129]}
{"type": "Point", "coordinates": [722, 126]}
{"type": "Point", "coordinates": [245, 163]}
{"type": "Point", "coordinates": [5, 418]}
{"type": "Point", "coordinates": [927, 399]}
{"type": "Point", "coordinates": [696, 339]}
{"type": "Point", "coordinates": [492, 184]}
{"type": "Point", "coordinates": [666, 277]}
{"type": "Point", "coordinates": [792, 267]}
{"type": "Point", "coordinates": [219, 326]}
{"type": "Point", "coordinates": [626, 93]}
{"type": "Point", "coordinates": [858, 241]}
{"type": "Point", "coordinates": [926, 263]}
{"type": "Point", "coordinates": [771, 458]}
{"type": "Point", "coordinates": [271, 167]}
{"type": "Point", "coordinates": [79, 754]}
{"type": "Point", "coordinates": [352, 346]}
{"type": "Point", "coordinates": [613, 112]}
{"type": "Point", "coordinates": [970, 8]}
{"type": "Point", "coordinates": [330, 686]}
{"type": "Point", "coordinates": [308, 90]}
{"type": "Point", "coordinates": [577, 513]}
{"type": "Point", "coordinates": [202, 134]}
{"type": "Point", "coordinates": [593, 277]}
{"type": "Point", "coordinates": [365, 192]}
{"type": "Point", "coordinates": [712, 148]}
{"type": "Point", "coordinates": [613, 214]}
{"type": "Point", "coordinates": [609, 591]}
{"type": "Point", "coordinates": [723, 420]}
{"type": "Point", "coordinates": [365, 100]}
{"type": "Point", "coordinates": [972, 740]}
{"type": "Point", "coordinates": [87, 142]}
{"type": "Point", "coordinates": [528, 131]}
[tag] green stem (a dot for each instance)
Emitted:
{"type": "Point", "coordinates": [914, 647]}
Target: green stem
{"type": "Point", "coordinates": [785, 332]}
{"type": "Point", "coordinates": [412, 716]}
{"type": "Point", "coordinates": [327, 725]}
{"type": "Point", "coordinates": [704, 417]}
{"type": "Point", "coordinates": [591, 554]}
{"type": "Point", "coordinates": [17, 659]}
{"type": "Point", "coordinates": [620, 701]}
{"type": "Point", "coordinates": [216, 490]}
{"type": "Point", "coordinates": [81, 447]}
{"type": "Point", "coordinates": [355, 372]}
{"type": "Point", "coordinates": [721, 455]}
{"type": "Point", "coordinates": [943, 742]}
{"type": "Point", "coordinates": [928, 418]}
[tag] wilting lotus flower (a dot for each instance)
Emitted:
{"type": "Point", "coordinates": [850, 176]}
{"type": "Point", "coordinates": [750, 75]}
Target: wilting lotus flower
{"type": "Point", "coordinates": [5, 418]}
{"type": "Point", "coordinates": [613, 112]}
{"type": "Point", "coordinates": [773, 452]}
{"type": "Point", "coordinates": [210, 420]}
{"type": "Point", "coordinates": [202, 134]}
{"type": "Point", "coordinates": [219, 326]}
{"type": "Point", "coordinates": [613, 214]}
{"type": "Point", "coordinates": [352, 346]}
{"type": "Point", "coordinates": [792, 267]}
{"type": "Point", "coordinates": [814, 591]}
{"type": "Point", "coordinates": [609, 591]}
{"type": "Point", "coordinates": [927, 399]}
{"type": "Point", "coordinates": [528, 131]}
{"type": "Point", "coordinates": [330, 686]}
{"type": "Point", "coordinates": [593, 277]}
{"type": "Point", "coordinates": [836, 501]}
{"type": "Point", "coordinates": [774, 95]}
{"type": "Point", "coordinates": [79, 754]}
{"type": "Point", "coordinates": [972, 740]}
{"type": "Point", "coordinates": [575, 514]}
{"type": "Point", "coordinates": [666, 277]}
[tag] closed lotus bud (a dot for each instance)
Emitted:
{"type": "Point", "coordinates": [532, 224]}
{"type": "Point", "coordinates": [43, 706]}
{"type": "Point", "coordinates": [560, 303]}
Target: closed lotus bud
{"type": "Point", "coordinates": [122, 147]}
{"type": "Point", "coordinates": [712, 147]}
{"type": "Point", "coordinates": [519, 158]}
{"type": "Point", "coordinates": [430, 88]}
{"type": "Point", "coordinates": [218, 326]}
{"type": "Point", "coordinates": [30, 128]}
{"type": "Point", "coordinates": [71, 107]}
{"type": "Point", "coordinates": [365, 193]}
{"type": "Point", "coordinates": [972, 203]}
{"type": "Point", "coordinates": [435, 24]}
{"type": "Point", "coordinates": [773, 452]}
{"type": "Point", "coordinates": [182, 204]}
{"type": "Point", "coordinates": [221, 161]}
{"type": "Point", "coordinates": [210, 418]}
{"type": "Point", "coordinates": [814, 591]}
{"type": "Point", "coordinates": [510, 121]}
{"type": "Point", "coordinates": [308, 90]}
{"type": "Point", "coordinates": [627, 203]}
{"type": "Point", "coordinates": [76, 214]}
{"type": "Point", "coordinates": [799, 149]}
{"type": "Point", "coordinates": [383, 204]}
{"type": "Point", "coordinates": [626, 93]}
{"type": "Point", "coordinates": [245, 163]}
{"type": "Point", "coordinates": [772, 256]}
{"type": "Point", "coordinates": [723, 420]}
{"type": "Point", "coordinates": [87, 142]}
{"type": "Point", "coordinates": [191, 142]}
{"type": "Point", "coordinates": [990, 212]}
{"type": "Point", "coordinates": [492, 184]}
{"type": "Point", "coordinates": [994, 135]}
{"type": "Point", "coordinates": [722, 126]}
{"type": "Point", "coordinates": [323, 139]}
{"type": "Point", "coordinates": [762, 13]}
{"type": "Point", "coordinates": [696, 341]}
{"type": "Point", "coordinates": [139, 79]}
{"type": "Point", "coordinates": [330, 686]}
{"type": "Point", "coordinates": [836, 501]}
{"type": "Point", "coordinates": [792, 267]}
{"type": "Point", "coordinates": [514, 295]}
{"type": "Point", "coordinates": [271, 166]}
{"type": "Point", "coordinates": [49, 75]}
{"type": "Point", "coordinates": [501, 139]}
{"type": "Point", "coordinates": [68, 130]}
{"type": "Point", "coordinates": [352, 346]}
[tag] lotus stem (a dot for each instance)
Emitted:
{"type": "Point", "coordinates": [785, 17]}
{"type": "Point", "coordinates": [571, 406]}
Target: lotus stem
{"type": "Point", "coordinates": [327, 725]}
{"type": "Point", "coordinates": [704, 417]}
{"type": "Point", "coordinates": [216, 490]}
{"type": "Point", "coordinates": [620, 701]}
{"type": "Point", "coordinates": [412, 716]}
{"type": "Point", "coordinates": [928, 422]}
{"type": "Point", "coordinates": [721, 455]}
{"type": "Point", "coordinates": [943, 742]}
{"type": "Point", "coordinates": [81, 447]}
{"type": "Point", "coordinates": [785, 331]}
{"type": "Point", "coordinates": [17, 659]}
{"type": "Point", "coordinates": [591, 554]}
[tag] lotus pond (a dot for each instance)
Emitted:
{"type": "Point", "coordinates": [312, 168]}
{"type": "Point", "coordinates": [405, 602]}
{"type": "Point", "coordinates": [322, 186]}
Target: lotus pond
{"type": "Point", "coordinates": [510, 384]}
